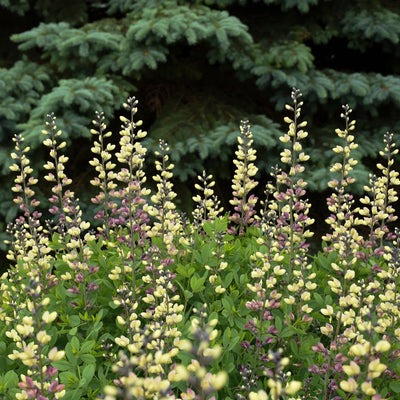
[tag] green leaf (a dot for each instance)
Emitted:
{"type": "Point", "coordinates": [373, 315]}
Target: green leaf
{"type": "Point", "coordinates": [73, 331]}
{"type": "Point", "coordinates": [188, 294]}
{"type": "Point", "coordinates": [87, 375]}
{"type": "Point", "coordinates": [319, 299]}
{"type": "Point", "coordinates": [228, 361]}
{"type": "Point", "coordinates": [197, 284]}
{"type": "Point", "coordinates": [209, 228]}
{"type": "Point", "coordinates": [278, 323]}
{"type": "Point", "coordinates": [185, 270]}
{"type": "Point", "coordinates": [87, 346]}
{"type": "Point", "coordinates": [68, 378]}
{"type": "Point", "coordinates": [73, 394]}
{"type": "Point", "coordinates": [56, 243]}
{"type": "Point", "coordinates": [294, 347]}
{"type": "Point", "coordinates": [227, 303]}
{"type": "Point", "coordinates": [75, 344]}
{"type": "Point", "coordinates": [289, 331]}
{"type": "Point", "coordinates": [95, 330]}
{"type": "Point", "coordinates": [70, 354]}
{"type": "Point", "coordinates": [395, 386]}
{"type": "Point", "coordinates": [234, 340]}
{"type": "Point", "coordinates": [240, 322]}
{"type": "Point", "coordinates": [62, 365]}
{"type": "Point", "coordinates": [228, 279]}
{"type": "Point", "coordinates": [74, 320]}
{"type": "Point", "coordinates": [11, 378]}
{"type": "Point", "coordinates": [88, 358]}
{"type": "Point", "coordinates": [203, 255]}
{"type": "Point", "coordinates": [225, 338]}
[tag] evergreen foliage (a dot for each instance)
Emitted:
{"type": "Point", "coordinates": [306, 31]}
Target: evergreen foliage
{"type": "Point", "coordinates": [201, 67]}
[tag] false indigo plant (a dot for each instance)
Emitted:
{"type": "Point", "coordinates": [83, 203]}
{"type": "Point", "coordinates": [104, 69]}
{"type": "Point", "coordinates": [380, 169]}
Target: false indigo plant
{"type": "Point", "coordinates": [286, 238]}
{"type": "Point", "coordinates": [230, 306]}
{"type": "Point", "coordinates": [168, 224]}
{"type": "Point", "coordinates": [106, 176]}
{"type": "Point", "coordinates": [208, 206]}
{"type": "Point", "coordinates": [243, 182]}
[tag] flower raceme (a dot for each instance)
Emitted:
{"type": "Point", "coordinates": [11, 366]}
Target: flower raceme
{"type": "Point", "coordinates": [243, 182]}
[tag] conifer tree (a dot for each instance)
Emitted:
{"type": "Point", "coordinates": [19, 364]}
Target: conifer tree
{"type": "Point", "coordinates": [198, 68]}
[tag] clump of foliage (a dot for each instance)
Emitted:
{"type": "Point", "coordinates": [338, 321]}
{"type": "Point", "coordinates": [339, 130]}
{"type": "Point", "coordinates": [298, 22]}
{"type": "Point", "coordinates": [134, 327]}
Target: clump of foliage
{"type": "Point", "coordinates": [148, 304]}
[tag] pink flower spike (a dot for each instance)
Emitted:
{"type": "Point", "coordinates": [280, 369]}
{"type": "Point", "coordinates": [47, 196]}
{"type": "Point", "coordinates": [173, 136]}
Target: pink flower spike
{"type": "Point", "coordinates": [51, 371]}
{"type": "Point", "coordinates": [74, 290]}
{"type": "Point", "coordinates": [56, 387]}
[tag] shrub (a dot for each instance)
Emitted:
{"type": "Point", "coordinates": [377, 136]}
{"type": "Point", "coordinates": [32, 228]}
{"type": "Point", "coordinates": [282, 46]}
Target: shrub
{"type": "Point", "coordinates": [150, 305]}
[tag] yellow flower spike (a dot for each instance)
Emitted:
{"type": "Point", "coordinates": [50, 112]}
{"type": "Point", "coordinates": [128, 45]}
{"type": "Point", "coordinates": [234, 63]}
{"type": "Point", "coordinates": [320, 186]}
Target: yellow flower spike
{"type": "Point", "coordinates": [43, 337]}
{"type": "Point", "coordinates": [349, 386]}
{"type": "Point", "coordinates": [260, 395]}
{"type": "Point", "coordinates": [306, 309]}
{"type": "Point", "coordinates": [350, 274]}
{"type": "Point", "coordinates": [219, 289]}
{"type": "Point", "coordinates": [27, 356]}
{"type": "Point", "coordinates": [288, 120]}
{"type": "Point", "coordinates": [49, 317]}
{"type": "Point", "coordinates": [218, 380]}
{"type": "Point", "coordinates": [289, 300]}
{"type": "Point", "coordinates": [327, 329]}
{"type": "Point", "coordinates": [193, 366]}
{"type": "Point", "coordinates": [13, 335]}
{"type": "Point", "coordinates": [185, 345]}
{"type": "Point", "coordinates": [205, 382]}
{"type": "Point", "coordinates": [352, 369]}
{"type": "Point", "coordinates": [110, 390]}
{"type": "Point", "coordinates": [133, 348]}
{"type": "Point", "coordinates": [189, 395]}
{"type": "Point", "coordinates": [285, 138]}
{"type": "Point", "coordinates": [367, 388]}
{"type": "Point", "coordinates": [214, 352]}
{"type": "Point", "coordinates": [223, 265]}
{"type": "Point", "coordinates": [285, 361]}
{"type": "Point", "coordinates": [122, 341]}
{"type": "Point", "coordinates": [27, 320]}
{"type": "Point", "coordinates": [276, 388]}
{"type": "Point", "coordinates": [375, 368]}
{"type": "Point", "coordinates": [297, 146]}
{"type": "Point", "coordinates": [359, 349]}
{"type": "Point", "coordinates": [173, 352]}
{"type": "Point", "coordinates": [382, 346]}
{"type": "Point", "coordinates": [24, 330]}
{"type": "Point", "coordinates": [213, 322]}
{"type": "Point", "coordinates": [306, 296]}
{"type": "Point", "coordinates": [293, 387]}
{"type": "Point", "coordinates": [55, 355]}
{"type": "Point", "coordinates": [328, 311]}
{"type": "Point", "coordinates": [201, 373]}
{"type": "Point", "coordinates": [213, 334]}
{"type": "Point", "coordinates": [46, 301]}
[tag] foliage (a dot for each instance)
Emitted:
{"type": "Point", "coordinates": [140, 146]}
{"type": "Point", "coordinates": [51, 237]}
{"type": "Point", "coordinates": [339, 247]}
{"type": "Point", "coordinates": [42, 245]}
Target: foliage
{"type": "Point", "coordinates": [149, 305]}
